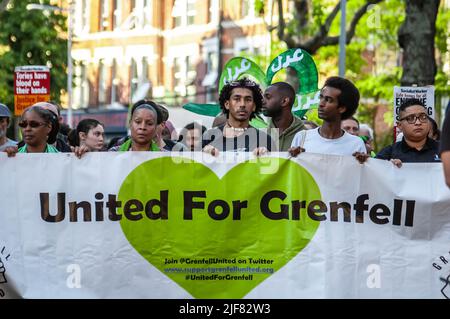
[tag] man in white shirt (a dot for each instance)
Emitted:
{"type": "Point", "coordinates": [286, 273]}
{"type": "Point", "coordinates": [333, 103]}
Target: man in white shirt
{"type": "Point", "coordinates": [339, 99]}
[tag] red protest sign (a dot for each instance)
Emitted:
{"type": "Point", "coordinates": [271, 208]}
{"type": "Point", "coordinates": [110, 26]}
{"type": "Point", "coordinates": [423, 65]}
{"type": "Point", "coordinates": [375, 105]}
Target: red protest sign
{"type": "Point", "coordinates": [31, 85]}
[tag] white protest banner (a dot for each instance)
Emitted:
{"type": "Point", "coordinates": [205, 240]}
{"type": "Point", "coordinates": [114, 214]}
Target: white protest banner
{"type": "Point", "coordinates": [148, 225]}
{"type": "Point", "coordinates": [423, 94]}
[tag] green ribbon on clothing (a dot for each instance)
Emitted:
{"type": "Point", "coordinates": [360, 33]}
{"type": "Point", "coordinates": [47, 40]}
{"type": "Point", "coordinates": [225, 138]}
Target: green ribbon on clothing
{"type": "Point", "coordinates": [48, 149]}
{"type": "Point", "coordinates": [125, 147]}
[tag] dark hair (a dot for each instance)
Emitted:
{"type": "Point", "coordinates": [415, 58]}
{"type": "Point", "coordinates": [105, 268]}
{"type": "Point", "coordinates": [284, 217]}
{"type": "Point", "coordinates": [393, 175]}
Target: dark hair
{"type": "Point", "coordinates": [8, 120]}
{"type": "Point", "coordinates": [349, 97]}
{"type": "Point", "coordinates": [410, 102]}
{"type": "Point", "coordinates": [83, 126]}
{"type": "Point", "coordinates": [188, 127]}
{"type": "Point", "coordinates": [163, 111]}
{"type": "Point", "coordinates": [115, 141]}
{"type": "Point", "coordinates": [48, 117]}
{"type": "Point", "coordinates": [353, 119]}
{"type": "Point", "coordinates": [244, 83]}
{"type": "Point", "coordinates": [286, 90]}
{"type": "Point", "coordinates": [434, 129]}
{"type": "Point", "coordinates": [58, 107]}
{"type": "Point", "coordinates": [149, 105]}
{"type": "Point", "coordinates": [182, 138]}
{"type": "Point", "coordinates": [64, 129]}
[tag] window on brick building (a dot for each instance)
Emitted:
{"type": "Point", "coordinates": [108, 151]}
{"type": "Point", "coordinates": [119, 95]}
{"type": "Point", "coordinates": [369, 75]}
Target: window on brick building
{"type": "Point", "coordinates": [148, 12]}
{"type": "Point", "coordinates": [190, 75]}
{"type": "Point", "coordinates": [102, 85]}
{"type": "Point", "coordinates": [247, 8]}
{"type": "Point", "coordinates": [134, 77]}
{"type": "Point", "coordinates": [82, 16]}
{"type": "Point", "coordinates": [184, 71]}
{"type": "Point", "coordinates": [183, 12]}
{"type": "Point", "coordinates": [144, 74]}
{"type": "Point", "coordinates": [104, 15]}
{"type": "Point", "coordinates": [178, 77]}
{"type": "Point", "coordinates": [115, 82]}
{"type": "Point", "coordinates": [141, 13]}
{"type": "Point", "coordinates": [81, 85]}
{"type": "Point", "coordinates": [214, 11]}
{"type": "Point", "coordinates": [117, 15]}
{"type": "Point", "coordinates": [210, 81]}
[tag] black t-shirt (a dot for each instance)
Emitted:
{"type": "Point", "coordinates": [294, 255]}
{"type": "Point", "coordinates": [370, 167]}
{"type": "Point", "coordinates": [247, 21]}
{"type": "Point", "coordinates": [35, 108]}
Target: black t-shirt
{"type": "Point", "coordinates": [445, 136]}
{"type": "Point", "coordinates": [251, 138]}
{"type": "Point", "coordinates": [402, 151]}
{"type": "Point", "coordinates": [174, 146]}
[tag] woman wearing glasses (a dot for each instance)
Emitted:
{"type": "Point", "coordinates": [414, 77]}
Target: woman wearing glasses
{"type": "Point", "coordinates": [415, 146]}
{"type": "Point", "coordinates": [39, 129]}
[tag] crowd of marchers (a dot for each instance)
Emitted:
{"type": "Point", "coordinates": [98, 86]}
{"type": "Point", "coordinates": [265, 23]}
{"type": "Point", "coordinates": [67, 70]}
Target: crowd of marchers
{"type": "Point", "coordinates": [250, 121]}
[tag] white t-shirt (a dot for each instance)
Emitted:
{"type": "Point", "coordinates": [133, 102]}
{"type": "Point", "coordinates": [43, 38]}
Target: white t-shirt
{"type": "Point", "coordinates": [347, 144]}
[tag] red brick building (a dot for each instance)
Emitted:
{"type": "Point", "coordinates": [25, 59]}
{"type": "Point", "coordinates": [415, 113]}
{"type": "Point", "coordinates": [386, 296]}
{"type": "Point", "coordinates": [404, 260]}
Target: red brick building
{"type": "Point", "coordinates": [162, 49]}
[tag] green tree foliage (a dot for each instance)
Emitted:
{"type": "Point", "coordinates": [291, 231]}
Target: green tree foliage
{"type": "Point", "coordinates": [32, 37]}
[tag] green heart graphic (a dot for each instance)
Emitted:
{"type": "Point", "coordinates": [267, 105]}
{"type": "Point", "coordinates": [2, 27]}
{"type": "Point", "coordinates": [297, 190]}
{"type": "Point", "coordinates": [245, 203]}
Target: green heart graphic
{"type": "Point", "coordinates": [253, 236]}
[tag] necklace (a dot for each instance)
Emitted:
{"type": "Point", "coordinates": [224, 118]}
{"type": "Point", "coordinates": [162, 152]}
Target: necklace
{"type": "Point", "coordinates": [236, 129]}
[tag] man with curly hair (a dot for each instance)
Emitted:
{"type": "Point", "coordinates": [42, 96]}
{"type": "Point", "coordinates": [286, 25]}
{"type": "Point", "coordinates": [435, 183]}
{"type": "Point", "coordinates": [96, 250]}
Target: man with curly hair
{"type": "Point", "coordinates": [339, 99]}
{"type": "Point", "coordinates": [240, 101]}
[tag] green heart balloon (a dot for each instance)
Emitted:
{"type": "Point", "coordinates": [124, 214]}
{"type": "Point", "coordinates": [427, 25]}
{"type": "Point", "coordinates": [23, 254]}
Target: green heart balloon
{"type": "Point", "coordinates": [215, 233]}
{"type": "Point", "coordinates": [233, 70]}
{"type": "Point", "coordinates": [239, 67]}
{"type": "Point", "coordinates": [300, 60]}
{"type": "Point", "coordinates": [307, 97]}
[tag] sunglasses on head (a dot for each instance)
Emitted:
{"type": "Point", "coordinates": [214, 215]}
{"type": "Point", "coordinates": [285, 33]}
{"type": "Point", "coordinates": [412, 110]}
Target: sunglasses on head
{"type": "Point", "coordinates": [32, 124]}
{"type": "Point", "coordinates": [242, 84]}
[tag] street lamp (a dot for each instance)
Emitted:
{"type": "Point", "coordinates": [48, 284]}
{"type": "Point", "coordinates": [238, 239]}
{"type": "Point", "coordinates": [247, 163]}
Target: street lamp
{"type": "Point", "coordinates": [342, 39]}
{"type": "Point", "coordinates": [43, 7]}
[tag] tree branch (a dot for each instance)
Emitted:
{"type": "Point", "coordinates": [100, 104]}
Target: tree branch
{"type": "Point", "coordinates": [282, 25]}
{"type": "Point", "coordinates": [302, 8]}
{"type": "Point", "coordinates": [3, 5]}
{"type": "Point", "coordinates": [351, 31]}
{"type": "Point", "coordinates": [321, 37]}
{"type": "Point", "coordinates": [313, 44]}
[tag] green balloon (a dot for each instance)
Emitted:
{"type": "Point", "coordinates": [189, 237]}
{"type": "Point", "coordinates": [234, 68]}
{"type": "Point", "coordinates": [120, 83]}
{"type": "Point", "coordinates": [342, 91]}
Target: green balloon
{"type": "Point", "coordinates": [238, 67]}
{"type": "Point", "coordinates": [307, 95]}
{"type": "Point", "coordinates": [300, 60]}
